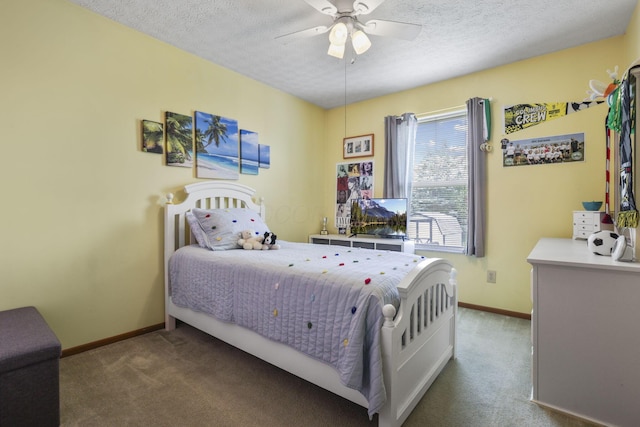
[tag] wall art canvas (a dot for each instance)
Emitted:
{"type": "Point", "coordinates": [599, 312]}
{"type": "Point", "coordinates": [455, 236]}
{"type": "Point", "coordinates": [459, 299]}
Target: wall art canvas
{"type": "Point", "coordinates": [249, 154]}
{"type": "Point", "coordinates": [544, 150]}
{"type": "Point", "coordinates": [152, 137]}
{"type": "Point", "coordinates": [353, 181]}
{"type": "Point", "coordinates": [264, 152]}
{"type": "Point", "coordinates": [216, 146]}
{"type": "Point", "coordinates": [179, 139]}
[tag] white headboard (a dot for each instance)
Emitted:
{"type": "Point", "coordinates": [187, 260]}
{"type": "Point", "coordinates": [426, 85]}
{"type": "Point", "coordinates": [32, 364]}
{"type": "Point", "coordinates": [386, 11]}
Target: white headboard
{"type": "Point", "coordinates": [204, 195]}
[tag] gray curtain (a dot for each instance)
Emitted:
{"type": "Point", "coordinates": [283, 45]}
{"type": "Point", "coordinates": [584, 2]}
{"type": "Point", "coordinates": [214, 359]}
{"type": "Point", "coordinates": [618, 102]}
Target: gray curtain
{"type": "Point", "coordinates": [477, 132]}
{"type": "Point", "coordinates": [400, 136]}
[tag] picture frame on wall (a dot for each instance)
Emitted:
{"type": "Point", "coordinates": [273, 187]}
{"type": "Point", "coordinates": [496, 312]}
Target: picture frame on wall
{"type": "Point", "coordinates": [152, 137]}
{"type": "Point", "coordinates": [358, 146]}
{"type": "Point", "coordinates": [249, 155]}
{"type": "Point", "coordinates": [179, 139]}
{"type": "Point", "coordinates": [264, 154]}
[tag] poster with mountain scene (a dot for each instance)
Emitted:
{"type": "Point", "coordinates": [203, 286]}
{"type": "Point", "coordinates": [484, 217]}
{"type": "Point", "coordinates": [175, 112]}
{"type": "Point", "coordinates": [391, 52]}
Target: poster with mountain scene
{"type": "Point", "coordinates": [379, 217]}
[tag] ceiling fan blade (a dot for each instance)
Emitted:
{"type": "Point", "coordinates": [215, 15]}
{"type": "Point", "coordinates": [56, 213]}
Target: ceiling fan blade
{"type": "Point", "coordinates": [398, 30]}
{"type": "Point", "coordinates": [310, 32]}
{"type": "Point", "coordinates": [323, 6]}
{"type": "Point", "coordinates": [365, 7]}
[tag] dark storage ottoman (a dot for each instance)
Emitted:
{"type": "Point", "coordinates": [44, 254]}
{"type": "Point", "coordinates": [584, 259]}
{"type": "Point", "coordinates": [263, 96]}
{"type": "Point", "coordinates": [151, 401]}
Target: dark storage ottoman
{"type": "Point", "coordinates": [29, 370]}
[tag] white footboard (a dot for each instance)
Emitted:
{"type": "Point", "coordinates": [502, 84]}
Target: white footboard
{"type": "Point", "coordinates": [420, 340]}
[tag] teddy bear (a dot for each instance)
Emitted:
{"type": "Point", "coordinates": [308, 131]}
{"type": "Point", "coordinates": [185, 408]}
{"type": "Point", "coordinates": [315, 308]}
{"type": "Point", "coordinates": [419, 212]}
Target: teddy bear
{"type": "Point", "coordinates": [248, 240]}
{"type": "Point", "coordinates": [269, 241]}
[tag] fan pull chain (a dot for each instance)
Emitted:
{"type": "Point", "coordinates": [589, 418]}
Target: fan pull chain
{"type": "Point", "coordinates": [345, 99]}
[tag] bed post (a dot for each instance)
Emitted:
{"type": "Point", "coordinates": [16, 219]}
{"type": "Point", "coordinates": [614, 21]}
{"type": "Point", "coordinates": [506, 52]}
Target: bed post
{"type": "Point", "coordinates": [169, 247]}
{"type": "Point", "coordinates": [453, 281]}
{"type": "Point", "coordinates": [418, 340]}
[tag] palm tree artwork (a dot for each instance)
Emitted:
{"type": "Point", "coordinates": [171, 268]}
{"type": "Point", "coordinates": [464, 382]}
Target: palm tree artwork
{"type": "Point", "coordinates": [217, 142]}
{"type": "Point", "coordinates": [179, 140]}
{"type": "Point", "coordinates": [152, 137]}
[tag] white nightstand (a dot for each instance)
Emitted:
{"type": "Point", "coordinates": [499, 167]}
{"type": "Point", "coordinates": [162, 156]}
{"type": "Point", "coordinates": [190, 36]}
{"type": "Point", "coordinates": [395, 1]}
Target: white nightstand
{"type": "Point", "coordinates": [586, 223]}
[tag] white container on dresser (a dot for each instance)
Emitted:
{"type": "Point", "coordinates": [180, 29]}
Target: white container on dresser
{"type": "Point", "coordinates": [396, 245]}
{"type": "Point", "coordinates": [585, 223]}
{"type": "Point", "coordinates": [585, 327]}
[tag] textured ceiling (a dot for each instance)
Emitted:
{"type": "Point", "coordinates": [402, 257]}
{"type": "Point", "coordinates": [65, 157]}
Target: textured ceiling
{"type": "Point", "coordinates": [458, 37]}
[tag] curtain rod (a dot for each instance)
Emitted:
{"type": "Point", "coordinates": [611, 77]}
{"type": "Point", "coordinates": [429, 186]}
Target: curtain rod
{"type": "Point", "coordinates": [441, 112]}
{"type": "Point", "coordinates": [444, 111]}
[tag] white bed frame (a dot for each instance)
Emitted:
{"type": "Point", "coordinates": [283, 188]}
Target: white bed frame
{"type": "Point", "coordinates": [417, 341]}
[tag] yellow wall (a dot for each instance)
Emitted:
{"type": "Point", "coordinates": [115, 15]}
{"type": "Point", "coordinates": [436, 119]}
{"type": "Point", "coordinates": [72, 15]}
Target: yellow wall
{"type": "Point", "coordinates": [525, 203]}
{"type": "Point", "coordinates": [632, 39]}
{"type": "Point", "coordinates": [81, 217]}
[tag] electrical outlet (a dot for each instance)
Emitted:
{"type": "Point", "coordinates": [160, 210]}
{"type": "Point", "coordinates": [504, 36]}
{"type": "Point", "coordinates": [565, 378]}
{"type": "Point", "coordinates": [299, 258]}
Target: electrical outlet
{"type": "Point", "coordinates": [491, 276]}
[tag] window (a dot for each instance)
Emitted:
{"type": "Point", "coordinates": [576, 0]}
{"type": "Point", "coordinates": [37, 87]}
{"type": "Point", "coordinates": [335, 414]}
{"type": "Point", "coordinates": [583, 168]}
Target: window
{"type": "Point", "coordinates": [438, 215]}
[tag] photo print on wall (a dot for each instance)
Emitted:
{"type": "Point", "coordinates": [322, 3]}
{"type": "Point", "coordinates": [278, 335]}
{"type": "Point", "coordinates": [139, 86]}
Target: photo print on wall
{"type": "Point", "coordinates": [544, 150]}
{"type": "Point", "coordinates": [217, 146]}
{"type": "Point", "coordinates": [264, 152]}
{"type": "Point", "coordinates": [179, 140]}
{"type": "Point", "coordinates": [353, 181]}
{"type": "Point", "coordinates": [249, 154]}
{"type": "Point", "coordinates": [152, 137]}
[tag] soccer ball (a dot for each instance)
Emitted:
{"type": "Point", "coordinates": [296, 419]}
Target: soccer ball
{"type": "Point", "coordinates": [602, 242]}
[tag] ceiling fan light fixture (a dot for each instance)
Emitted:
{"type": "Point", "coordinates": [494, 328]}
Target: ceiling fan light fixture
{"type": "Point", "coordinates": [338, 34]}
{"type": "Point", "coordinates": [360, 41]}
{"type": "Point", "coordinates": [336, 50]}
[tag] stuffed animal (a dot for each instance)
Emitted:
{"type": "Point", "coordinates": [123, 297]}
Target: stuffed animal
{"type": "Point", "coordinates": [248, 240]}
{"type": "Point", "coordinates": [269, 241]}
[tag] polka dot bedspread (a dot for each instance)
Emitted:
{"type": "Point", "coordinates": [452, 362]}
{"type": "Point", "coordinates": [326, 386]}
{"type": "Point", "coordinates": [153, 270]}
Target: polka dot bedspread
{"type": "Point", "coordinates": [325, 301]}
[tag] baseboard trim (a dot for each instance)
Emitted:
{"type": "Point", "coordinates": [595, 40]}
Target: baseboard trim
{"type": "Point", "coordinates": [96, 344]}
{"type": "Point", "coordinates": [495, 310]}
{"type": "Point", "coordinates": [93, 345]}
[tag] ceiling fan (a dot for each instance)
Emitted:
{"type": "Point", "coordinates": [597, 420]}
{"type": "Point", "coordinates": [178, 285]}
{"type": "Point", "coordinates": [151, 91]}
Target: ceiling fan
{"type": "Point", "coordinates": [346, 24]}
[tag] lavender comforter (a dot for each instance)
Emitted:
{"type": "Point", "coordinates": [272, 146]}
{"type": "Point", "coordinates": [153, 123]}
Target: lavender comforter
{"type": "Point", "coordinates": [325, 301]}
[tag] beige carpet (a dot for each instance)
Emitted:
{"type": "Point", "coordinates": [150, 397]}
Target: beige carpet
{"type": "Point", "coordinates": [187, 378]}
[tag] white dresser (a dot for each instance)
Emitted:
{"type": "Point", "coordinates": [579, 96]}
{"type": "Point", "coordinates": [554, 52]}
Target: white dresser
{"type": "Point", "coordinates": [585, 332]}
{"type": "Point", "coordinates": [396, 245]}
{"type": "Point", "coordinates": [586, 223]}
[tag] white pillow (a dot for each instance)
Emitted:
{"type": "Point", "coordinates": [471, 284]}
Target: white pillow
{"type": "Point", "coordinates": [219, 229]}
{"type": "Point", "coordinates": [196, 230]}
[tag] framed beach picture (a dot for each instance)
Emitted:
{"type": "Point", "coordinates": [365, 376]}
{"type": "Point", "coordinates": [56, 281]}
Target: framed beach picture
{"type": "Point", "coordinates": [179, 143]}
{"type": "Point", "coordinates": [264, 152]}
{"type": "Point", "coordinates": [249, 154]}
{"type": "Point", "coordinates": [216, 146]}
{"type": "Point", "coordinates": [358, 146]}
{"type": "Point", "coordinates": [152, 137]}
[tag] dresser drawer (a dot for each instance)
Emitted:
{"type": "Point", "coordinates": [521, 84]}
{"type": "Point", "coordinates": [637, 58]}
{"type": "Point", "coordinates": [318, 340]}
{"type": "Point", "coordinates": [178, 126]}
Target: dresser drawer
{"type": "Point", "coordinates": [586, 227]}
{"type": "Point", "coordinates": [586, 215]}
{"type": "Point", "coordinates": [582, 234]}
{"type": "Point", "coordinates": [589, 220]}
